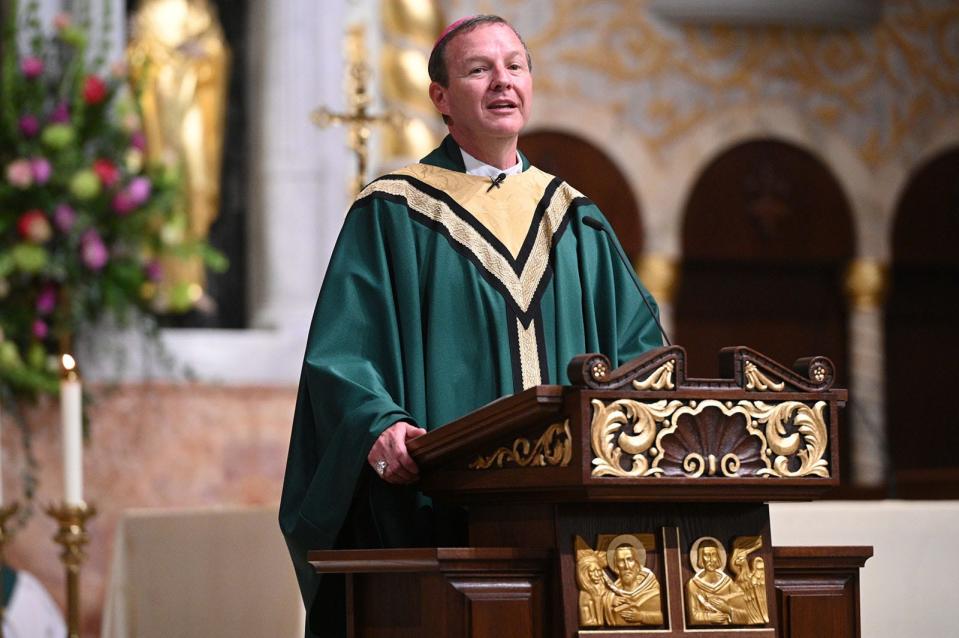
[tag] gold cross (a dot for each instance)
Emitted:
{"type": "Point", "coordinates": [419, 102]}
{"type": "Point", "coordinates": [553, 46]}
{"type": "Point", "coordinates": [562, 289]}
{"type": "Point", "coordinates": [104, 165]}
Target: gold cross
{"type": "Point", "coordinates": [357, 119]}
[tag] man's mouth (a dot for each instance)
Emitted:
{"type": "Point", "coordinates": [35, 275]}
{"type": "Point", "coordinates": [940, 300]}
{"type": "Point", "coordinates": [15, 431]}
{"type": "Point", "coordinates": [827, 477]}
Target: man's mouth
{"type": "Point", "coordinates": [501, 105]}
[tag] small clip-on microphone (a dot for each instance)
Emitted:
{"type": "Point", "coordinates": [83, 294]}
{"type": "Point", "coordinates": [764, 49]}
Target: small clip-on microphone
{"type": "Point", "coordinates": [496, 181]}
{"type": "Point", "coordinates": [595, 224]}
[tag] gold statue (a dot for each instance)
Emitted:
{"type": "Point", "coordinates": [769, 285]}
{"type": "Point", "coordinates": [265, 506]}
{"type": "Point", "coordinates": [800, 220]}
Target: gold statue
{"type": "Point", "coordinates": [179, 62]}
{"type": "Point", "coordinates": [712, 597]}
{"type": "Point", "coordinates": [633, 598]}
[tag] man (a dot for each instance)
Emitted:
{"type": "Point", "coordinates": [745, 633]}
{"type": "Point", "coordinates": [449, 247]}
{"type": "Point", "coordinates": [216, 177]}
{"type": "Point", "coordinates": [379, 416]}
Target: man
{"type": "Point", "coordinates": [633, 598]}
{"type": "Point", "coordinates": [455, 281]}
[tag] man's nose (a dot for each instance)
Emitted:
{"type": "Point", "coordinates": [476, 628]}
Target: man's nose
{"type": "Point", "coordinates": [501, 77]}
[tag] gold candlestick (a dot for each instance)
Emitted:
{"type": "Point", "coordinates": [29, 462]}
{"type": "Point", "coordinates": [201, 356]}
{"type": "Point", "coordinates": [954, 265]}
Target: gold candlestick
{"type": "Point", "coordinates": [6, 512]}
{"type": "Point", "coordinates": [72, 535]}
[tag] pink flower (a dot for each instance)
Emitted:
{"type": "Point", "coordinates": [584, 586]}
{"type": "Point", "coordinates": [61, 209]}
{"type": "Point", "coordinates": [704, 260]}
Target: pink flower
{"type": "Point", "coordinates": [47, 299]}
{"type": "Point", "coordinates": [41, 170]}
{"type": "Point", "coordinates": [40, 329]}
{"type": "Point", "coordinates": [154, 270]}
{"type": "Point", "coordinates": [31, 67]}
{"type": "Point", "coordinates": [123, 203]}
{"type": "Point", "coordinates": [107, 172]}
{"type": "Point", "coordinates": [60, 114]}
{"type": "Point", "coordinates": [34, 227]}
{"type": "Point", "coordinates": [139, 190]}
{"type": "Point", "coordinates": [138, 141]}
{"type": "Point", "coordinates": [64, 217]}
{"type": "Point", "coordinates": [93, 251]}
{"type": "Point", "coordinates": [29, 125]}
{"type": "Point", "coordinates": [20, 173]}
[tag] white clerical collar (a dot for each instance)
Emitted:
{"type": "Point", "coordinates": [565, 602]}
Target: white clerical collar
{"type": "Point", "coordinates": [476, 167]}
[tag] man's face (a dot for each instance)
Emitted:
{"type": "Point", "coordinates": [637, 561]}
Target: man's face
{"type": "Point", "coordinates": [490, 88]}
{"type": "Point", "coordinates": [626, 565]}
{"type": "Point", "coordinates": [709, 558]}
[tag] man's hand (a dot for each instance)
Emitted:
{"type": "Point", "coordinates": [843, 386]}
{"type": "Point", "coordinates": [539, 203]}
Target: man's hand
{"type": "Point", "coordinates": [389, 457]}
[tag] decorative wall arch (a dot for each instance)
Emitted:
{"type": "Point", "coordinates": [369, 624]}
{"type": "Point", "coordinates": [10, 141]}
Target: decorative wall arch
{"type": "Point", "coordinates": [921, 313]}
{"type": "Point", "coordinates": [733, 127]}
{"type": "Point", "coordinates": [896, 178]}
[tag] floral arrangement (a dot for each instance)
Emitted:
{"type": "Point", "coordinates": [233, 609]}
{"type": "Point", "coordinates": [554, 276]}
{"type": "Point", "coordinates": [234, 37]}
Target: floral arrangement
{"type": "Point", "coordinates": [86, 223]}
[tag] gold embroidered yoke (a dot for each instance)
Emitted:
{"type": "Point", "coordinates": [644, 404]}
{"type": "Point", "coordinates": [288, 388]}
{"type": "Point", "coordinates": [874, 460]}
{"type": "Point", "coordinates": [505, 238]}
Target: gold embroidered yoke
{"type": "Point", "coordinates": [508, 230]}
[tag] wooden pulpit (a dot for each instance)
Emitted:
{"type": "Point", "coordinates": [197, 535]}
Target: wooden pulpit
{"type": "Point", "coordinates": [630, 503]}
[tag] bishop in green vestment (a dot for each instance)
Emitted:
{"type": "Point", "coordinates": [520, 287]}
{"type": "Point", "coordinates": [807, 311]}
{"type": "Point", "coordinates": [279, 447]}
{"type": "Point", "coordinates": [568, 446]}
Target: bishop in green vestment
{"type": "Point", "coordinates": [444, 292]}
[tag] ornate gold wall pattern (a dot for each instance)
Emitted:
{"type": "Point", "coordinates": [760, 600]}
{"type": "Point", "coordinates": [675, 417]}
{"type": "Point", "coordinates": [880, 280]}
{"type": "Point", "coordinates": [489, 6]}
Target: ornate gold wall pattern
{"type": "Point", "coordinates": [631, 439]}
{"type": "Point", "coordinates": [881, 87]}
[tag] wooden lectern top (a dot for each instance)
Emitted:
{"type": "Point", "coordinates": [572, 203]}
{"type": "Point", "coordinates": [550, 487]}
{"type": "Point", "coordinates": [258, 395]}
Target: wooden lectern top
{"type": "Point", "coordinates": [647, 432]}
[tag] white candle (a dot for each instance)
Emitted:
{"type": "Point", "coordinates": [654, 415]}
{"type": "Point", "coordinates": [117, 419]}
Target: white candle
{"type": "Point", "coordinates": [71, 418]}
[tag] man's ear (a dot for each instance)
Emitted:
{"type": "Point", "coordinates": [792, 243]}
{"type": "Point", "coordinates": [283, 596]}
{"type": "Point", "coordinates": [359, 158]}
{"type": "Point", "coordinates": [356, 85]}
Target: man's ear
{"type": "Point", "coordinates": [439, 97]}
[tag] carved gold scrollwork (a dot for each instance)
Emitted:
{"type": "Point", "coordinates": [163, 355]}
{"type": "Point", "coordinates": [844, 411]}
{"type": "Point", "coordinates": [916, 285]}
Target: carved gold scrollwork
{"type": "Point", "coordinates": [626, 426]}
{"type": "Point", "coordinates": [660, 379]}
{"type": "Point", "coordinates": [810, 424]}
{"type": "Point", "coordinates": [553, 448]}
{"type": "Point", "coordinates": [756, 380]}
{"type": "Point", "coordinates": [786, 432]}
{"type": "Point", "coordinates": [696, 465]}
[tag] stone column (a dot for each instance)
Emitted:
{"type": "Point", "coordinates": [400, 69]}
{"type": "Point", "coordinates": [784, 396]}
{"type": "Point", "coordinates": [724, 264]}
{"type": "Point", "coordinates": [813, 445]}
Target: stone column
{"type": "Point", "coordinates": [299, 191]}
{"type": "Point", "coordinates": [866, 283]}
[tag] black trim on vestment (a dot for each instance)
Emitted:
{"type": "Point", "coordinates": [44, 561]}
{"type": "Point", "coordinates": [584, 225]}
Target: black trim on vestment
{"type": "Point", "coordinates": [541, 344]}
{"type": "Point", "coordinates": [515, 358]}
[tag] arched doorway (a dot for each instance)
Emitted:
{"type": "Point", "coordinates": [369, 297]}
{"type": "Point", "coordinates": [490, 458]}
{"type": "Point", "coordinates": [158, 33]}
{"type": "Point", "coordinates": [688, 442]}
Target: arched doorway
{"type": "Point", "coordinates": [767, 236]}
{"type": "Point", "coordinates": [922, 319]}
{"type": "Point", "coordinates": [590, 171]}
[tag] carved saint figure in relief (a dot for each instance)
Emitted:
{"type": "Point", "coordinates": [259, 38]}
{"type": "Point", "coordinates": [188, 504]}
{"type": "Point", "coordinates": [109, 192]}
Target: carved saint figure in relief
{"type": "Point", "coordinates": [712, 597]}
{"type": "Point", "coordinates": [751, 579]}
{"type": "Point", "coordinates": [633, 598]}
{"type": "Point", "coordinates": [592, 586]}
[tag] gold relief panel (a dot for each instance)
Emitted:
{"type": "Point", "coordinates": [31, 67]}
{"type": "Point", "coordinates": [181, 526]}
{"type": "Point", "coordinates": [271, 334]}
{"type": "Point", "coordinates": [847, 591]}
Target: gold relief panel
{"type": "Point", "coordinates": [713, 597]}
{"type": "Point", "coordinates": [553, 448]}
{"type": "Point", "coordinates": [615, 586]}
{"type": "Point", "coordinates": [634, 439]}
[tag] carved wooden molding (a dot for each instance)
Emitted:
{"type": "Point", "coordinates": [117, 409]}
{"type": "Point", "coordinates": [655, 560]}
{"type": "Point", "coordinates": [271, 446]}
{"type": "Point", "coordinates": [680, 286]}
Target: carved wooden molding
{"type": "Point", "coordinates": [741, 368]}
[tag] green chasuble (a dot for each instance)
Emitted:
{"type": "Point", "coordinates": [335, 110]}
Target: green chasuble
{"type": "Point", "coordinates": [443, 293]}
